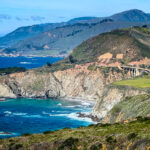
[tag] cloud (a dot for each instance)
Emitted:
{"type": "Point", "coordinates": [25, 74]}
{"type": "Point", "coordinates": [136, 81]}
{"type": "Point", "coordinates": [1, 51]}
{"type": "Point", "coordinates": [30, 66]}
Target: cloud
{"type": "Point", "coordinates": [37, 18]}
{"type": "Point", "coordinates": [5, 17]}
{"type": "Point", "coordinates": [21, 19]}
{"type": "Point", "coordinates": [32, 18]}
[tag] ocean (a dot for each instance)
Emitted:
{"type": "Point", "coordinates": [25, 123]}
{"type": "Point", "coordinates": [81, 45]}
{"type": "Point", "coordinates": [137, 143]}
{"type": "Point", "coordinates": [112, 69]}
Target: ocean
{"type": "Point", "coordinates": [27, 62]}
{"type": "Point", "coordinates": [20, 116]}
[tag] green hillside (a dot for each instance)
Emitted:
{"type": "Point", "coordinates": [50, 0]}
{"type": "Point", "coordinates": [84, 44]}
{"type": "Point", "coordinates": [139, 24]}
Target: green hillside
{"type": "Point", "coordinates": [134, 43]}
{"type": "Point", "coordinates": [133, 135]}
{"type": "Point", "coordinates": [141, 82]}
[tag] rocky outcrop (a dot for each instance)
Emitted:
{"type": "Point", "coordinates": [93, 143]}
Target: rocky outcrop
{"type": "Point", "coordinates": [78, 82]}
{"type": "Point", "coordinates": [112, 95]}
{"type": "Point", "coordinates": [5, 91]}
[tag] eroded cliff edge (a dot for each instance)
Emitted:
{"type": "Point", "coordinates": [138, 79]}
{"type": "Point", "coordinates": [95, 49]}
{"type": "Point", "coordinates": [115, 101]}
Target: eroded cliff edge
{"type": "Point", "coordinates": [121, 103]}
{"type": "Point", "coordinates": [78, 82]}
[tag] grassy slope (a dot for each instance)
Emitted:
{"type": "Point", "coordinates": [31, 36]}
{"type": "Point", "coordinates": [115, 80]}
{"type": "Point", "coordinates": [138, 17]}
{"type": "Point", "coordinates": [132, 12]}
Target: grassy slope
{"type": "Point", "coordinates": [141, 82]}
{"type": "Point", "coordinates": [93, 137]}
{"type": "Point", "coordinates": [126, 41]}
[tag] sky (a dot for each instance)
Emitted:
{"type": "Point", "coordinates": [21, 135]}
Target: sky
{"type": "Point", "coordinates": [17, 13]}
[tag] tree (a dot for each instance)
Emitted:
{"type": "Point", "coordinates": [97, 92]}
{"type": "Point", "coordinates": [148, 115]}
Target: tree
{"type": "Point", "coordinates": [144, 26]}
{"type": "Point", "coordinates": [71, 59]}
{"type": "Point", "coordinates": [48, 64]}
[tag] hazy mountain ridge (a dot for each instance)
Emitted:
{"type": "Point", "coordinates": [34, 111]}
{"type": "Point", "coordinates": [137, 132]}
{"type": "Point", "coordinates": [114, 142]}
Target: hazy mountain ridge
{"type": "Point", "coordinates": [134, 15]}
{"type": "Point", "coordinates": [27, 32]}
{"type": "Point", "coordinates": [60, 39]}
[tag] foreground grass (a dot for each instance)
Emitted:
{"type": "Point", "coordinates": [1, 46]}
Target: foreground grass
{"type": "Point", "coordinates": [95, 137]}
{"type": "Point", "coordinates": [142, 82]}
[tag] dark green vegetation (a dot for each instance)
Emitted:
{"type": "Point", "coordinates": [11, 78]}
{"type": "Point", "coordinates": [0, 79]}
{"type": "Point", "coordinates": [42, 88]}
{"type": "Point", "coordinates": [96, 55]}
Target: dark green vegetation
{"type": "Point", "coordinates": [94, 137]}
{"type": "Point", "coordinates": [11, 70]}
{"type": "Point", "coordinates": [130, 108]}
{"type": "Point", "coordinates": [61, 38]}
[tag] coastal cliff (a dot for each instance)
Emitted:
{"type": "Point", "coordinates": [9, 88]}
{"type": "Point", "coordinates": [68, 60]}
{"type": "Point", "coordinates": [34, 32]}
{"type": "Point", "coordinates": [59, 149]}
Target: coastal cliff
{"type": "Point", "coordinates": [113, 96]}
{"type": "Point", "coordinates": [78, 82]}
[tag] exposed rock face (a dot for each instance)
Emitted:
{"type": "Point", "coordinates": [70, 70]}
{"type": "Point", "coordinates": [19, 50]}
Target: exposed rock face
{"type": "Point", "coordinates": [5, 91]}
{"type": "Point", "coordinates": [129, 109]}
{"type": "Point", "coordinates": [78, 82]}
{"type": "Point", "coordinates": [112, 96]}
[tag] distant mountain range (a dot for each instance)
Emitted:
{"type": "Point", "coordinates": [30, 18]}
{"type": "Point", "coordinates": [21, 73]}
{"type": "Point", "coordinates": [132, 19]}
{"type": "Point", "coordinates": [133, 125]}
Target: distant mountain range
{"type": "Point", "coordinates": [61, 38]}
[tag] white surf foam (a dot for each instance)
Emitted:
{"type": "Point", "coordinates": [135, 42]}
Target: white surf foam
{"type": "Point", "coordinates": [2, 133]}
{"type": "Point", "coordinates": [7, 113]}
{"type": "Point", "coordinates": [19, 114]}
{"type": "Point", "coordinates": [59, 104]}
{"type": "Point", "coordinates": [73, 116]}
{"type": "Point", "coordinates": [25, 62]}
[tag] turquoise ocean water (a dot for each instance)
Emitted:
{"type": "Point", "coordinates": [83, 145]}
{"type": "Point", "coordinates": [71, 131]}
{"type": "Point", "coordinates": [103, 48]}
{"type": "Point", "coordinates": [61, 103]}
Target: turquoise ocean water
{"type": "Point", "coordinates": [19, 116]}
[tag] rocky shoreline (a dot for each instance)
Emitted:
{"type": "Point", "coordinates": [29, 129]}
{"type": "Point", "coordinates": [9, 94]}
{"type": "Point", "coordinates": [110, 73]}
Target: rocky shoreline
{"type": "Point", "coordinates": [93, 118]}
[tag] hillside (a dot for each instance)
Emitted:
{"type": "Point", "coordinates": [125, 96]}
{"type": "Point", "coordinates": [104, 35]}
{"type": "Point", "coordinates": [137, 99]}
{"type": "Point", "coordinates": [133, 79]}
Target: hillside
{"type": "Point", "coordinates": [83, 20]}
{"type": "Point", "coordinates": [123, 136]}
{"type": "Point", "coordinates": [60, 39]}
{"type": "Point", "coordinates": [27, 32]}
{"type": "Point", "coordinates": [132, 43]}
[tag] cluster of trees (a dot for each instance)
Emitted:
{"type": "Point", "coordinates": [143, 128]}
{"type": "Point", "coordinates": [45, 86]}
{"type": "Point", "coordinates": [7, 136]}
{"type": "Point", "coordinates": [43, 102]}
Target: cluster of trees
{"type": "Point", "coordinates": [48, 64]}
{"type": "Point", "coordinates": [12, 70]}
{"type": "Point", "coordinates": [70, 60]}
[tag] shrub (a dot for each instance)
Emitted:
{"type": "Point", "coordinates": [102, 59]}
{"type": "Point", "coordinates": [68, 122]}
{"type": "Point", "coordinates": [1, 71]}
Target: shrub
{"type": "Point", "coordinates": [69, 143]}
{"type": "Point", "coordinates": [47, 132]}
{"type": "Point", "coordinates": [141, 119]}
{"type": "Point", "coordinates": [48, 64]}
{"type": "Point", "coordinates": [12, 70]}
{"type": "Point", "coordinates": [103, 125]}
{"type": "Point", "coordinates": [96, 146]}
{"type": "Point", "coordinates": [71, 59]}
{"type": "Point", "coordinates": [110, 139]}
{"type": "Point", "coordinates": [144, 26]}
{"type": "Point", "coordinates": [26, 134]}
{"type": "Point", "coordinates": [92, 68]}
{"type": "Point", "coordinates": [132, 136]}
{"type": "Point", "coordinates": [13, 146]}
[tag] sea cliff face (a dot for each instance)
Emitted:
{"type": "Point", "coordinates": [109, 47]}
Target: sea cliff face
{"type": "Point", "coordinates": [78, 82]}
{"type": "Point", "coordinates": [112, 96]}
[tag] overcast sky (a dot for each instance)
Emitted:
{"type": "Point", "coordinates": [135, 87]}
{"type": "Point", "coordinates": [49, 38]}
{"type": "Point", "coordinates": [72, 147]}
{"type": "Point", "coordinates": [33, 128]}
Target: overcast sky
{"type": "Point", "coordinates": [16, 13]}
